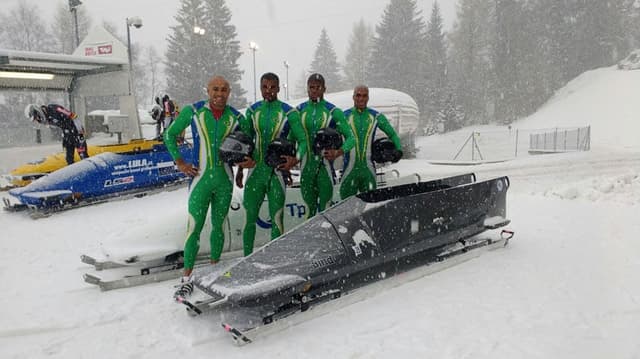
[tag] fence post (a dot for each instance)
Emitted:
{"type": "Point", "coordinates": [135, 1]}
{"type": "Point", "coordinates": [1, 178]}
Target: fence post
{"type": "Point", "coordinates": [517, 143]}
{"type": "Point", "coordinates": [578, 140]}
{"type": "Point", "coordinates": [555, 140]}
{"type": "Point", "coordinates": [565, 141]}
{"type": "Point", "coordinates": [38, 135]}
{"type": "Point", "coordinates": [473, 146]}
{"type": "Point", "coordinates": [533, 138]}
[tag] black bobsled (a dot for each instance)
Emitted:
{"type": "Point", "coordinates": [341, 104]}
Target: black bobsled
{"type": "Point", "coordinates": [360, 240]}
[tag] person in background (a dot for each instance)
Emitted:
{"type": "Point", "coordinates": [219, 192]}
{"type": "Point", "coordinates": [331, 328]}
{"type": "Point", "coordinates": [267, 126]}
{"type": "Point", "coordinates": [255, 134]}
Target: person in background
{"type": "Point", "coordinates": [317, 174]}
{"type": "Point", "coordinates": [211, 122]}
{"type": "Point", "coordinates": [157, 114]}
{"type": "Point", "coordinates": [71, 126]}
{"type": "Point", "coordinates": [164, 112]}
{"type": "Point", "coordinates": [170, 111]}
{"type": "Point", "coordinates": [268, 122]}
{"type": "Point", "coordinates": [359, 174]}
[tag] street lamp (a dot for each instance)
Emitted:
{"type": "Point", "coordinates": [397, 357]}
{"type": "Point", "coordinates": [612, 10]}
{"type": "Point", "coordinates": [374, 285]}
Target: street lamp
{"type": "Point", "coordinates": [286, 84]}
{"type": "Point", "coordinates": [137, 22]}
{"type": "Point", "coordinates": [254, 47]}
{"type": "Point", "coordinates": [198, 30]}
{"type": "Point", "coordinates": [73, 5]}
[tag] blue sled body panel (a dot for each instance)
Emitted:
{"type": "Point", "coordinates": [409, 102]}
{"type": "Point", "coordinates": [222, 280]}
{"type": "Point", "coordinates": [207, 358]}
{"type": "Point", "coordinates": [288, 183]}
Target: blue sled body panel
{"type": "Point", "coordinates": [104, 175]}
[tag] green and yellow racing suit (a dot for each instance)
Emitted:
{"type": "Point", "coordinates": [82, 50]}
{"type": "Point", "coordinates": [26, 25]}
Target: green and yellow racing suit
{"type": "Point", "coordinates": [265, 122]}
{"type": "Point", "coordinates": [359, 173]}
{"type": "Point", "coordinates": [214, 183]}
{"type": "Point", "coordinates": [317, 175]}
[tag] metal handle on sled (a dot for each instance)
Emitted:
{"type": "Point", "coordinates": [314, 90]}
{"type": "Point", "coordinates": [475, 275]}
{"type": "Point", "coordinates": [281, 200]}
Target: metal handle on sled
{"type": "Point", "coordinates": [506, 235]}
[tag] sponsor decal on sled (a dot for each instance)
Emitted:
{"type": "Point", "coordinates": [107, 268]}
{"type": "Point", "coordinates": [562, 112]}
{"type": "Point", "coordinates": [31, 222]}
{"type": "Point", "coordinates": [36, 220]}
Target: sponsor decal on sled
{"type": "Point", "coordinates": [119, 181]}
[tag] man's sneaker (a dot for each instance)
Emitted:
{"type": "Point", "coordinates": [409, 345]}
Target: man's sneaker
{"type": "Point", "coordinates": [185, 289]}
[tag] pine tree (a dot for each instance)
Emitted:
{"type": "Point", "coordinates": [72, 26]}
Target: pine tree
{"type": "Point", "coordinates": [451, 117]}
{"type": "Point", "coordinates": [631, 22]}
{"type": "Point", "coordinates": [192, 58]}
{"type": "Point", "coordinates": [600, 34]}
{"type": "Point", "coordinates": [555, 34]}
{"type": "Point", "coordinates": [507, 54]}
{"type": "Point", "coordinates": [398, 50]}
{"type": "Point", "coordinates": [325, 62]}
{"type": "Point", "coordinates": [435, 67]}
{"type": "Point", "coordinates": [470, 65]}
{"type": "Point", "coordinates": [358, 55]}
{"type": "Point", "coordinates": [223, 56]}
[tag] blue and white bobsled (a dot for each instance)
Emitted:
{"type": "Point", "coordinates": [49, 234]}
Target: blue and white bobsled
{"type": "Point", "coordinates": [103, 176]}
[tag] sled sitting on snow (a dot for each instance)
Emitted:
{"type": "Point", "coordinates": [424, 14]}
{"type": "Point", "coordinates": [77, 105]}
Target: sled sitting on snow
{"type": "Point", "coordinates": [359, 241]}
{"type": "Point", "coordinates": [151, 254]}
{"type": "Point", "coordinates": [29, 172]}
{"type": "Point", "coordinates": [98, 178]}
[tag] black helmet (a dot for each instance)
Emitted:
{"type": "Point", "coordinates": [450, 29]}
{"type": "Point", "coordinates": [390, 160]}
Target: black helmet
{"type": "Point", "coordinates": [34, 113]}
{"type": "Point", "coordinates": [383, 150]}
{"type": "Point", "coordinates": [276, 149]}
{"type": "Point", "coordinates": [326, 139]}
{"type": "Point", "coordinates": [236, 147]}
{"type": "Point", "coordinates": [156, 112]}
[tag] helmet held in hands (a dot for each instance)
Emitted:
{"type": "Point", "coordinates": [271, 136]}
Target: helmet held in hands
{"type": "Point", "coordinates": [236, 147]}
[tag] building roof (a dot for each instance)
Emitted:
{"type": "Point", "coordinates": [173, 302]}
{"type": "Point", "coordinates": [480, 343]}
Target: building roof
{"type": "Point", "coordinates": [15, 65]}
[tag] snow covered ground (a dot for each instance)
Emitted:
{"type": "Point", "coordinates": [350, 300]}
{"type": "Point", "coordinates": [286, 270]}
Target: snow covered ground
{"type": "Point", "coordinates": [568, 285]}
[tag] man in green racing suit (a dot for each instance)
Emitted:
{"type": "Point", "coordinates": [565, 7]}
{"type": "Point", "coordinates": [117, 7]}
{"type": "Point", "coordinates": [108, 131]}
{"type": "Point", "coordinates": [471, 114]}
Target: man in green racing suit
{"type": "Point", "coordinates": [212, 180]}
{"type": "Point", "coordinates": [267, 121]}
{"type": "Point", "coordinates": [317, 174]}
{"type": "Point", "coordinates": [359, 173]}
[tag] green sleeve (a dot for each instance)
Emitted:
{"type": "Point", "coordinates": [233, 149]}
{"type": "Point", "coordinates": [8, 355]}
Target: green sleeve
{"type": "Point", "coordinates": [175, 130]}
{"type": "Point", "coordinates": [297, 130]}
{"type": "Point", "coordinates": [386, 127]}
{"type": "Point", "coordinates": [343, 128]}
{"type": "Point", "coordinates": [246, 123]}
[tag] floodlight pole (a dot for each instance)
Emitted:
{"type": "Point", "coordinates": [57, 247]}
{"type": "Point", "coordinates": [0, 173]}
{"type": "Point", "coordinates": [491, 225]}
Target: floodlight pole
{"type": "Point", "coordinates": [73, 7]}
{"type": "Point", "coordinates": [137, 22]}
{"type": "Point", "coordinates": [286, 87]}
{"type": "Point", "coordinates": [254, 47]}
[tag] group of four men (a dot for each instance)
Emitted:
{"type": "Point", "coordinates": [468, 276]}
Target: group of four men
{"type": "Point", "coordinates": [268, 120]}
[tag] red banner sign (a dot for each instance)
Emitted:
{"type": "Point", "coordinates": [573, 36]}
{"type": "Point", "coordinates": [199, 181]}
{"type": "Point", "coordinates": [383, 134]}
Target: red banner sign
{"type": "Point", "coordinates": [98, 50]}
{"type": "Point", "coordinates": [105, 49]}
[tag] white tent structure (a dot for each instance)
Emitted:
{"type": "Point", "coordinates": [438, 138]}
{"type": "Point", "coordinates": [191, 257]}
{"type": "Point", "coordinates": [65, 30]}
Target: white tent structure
{"type": "Point", "coordinates": [400, 109]}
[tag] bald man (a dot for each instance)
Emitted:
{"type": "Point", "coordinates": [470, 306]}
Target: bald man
{"type": "Point", "coordinates": [212, 180]}
{"type": "Point", "coordinates": [359, 173]}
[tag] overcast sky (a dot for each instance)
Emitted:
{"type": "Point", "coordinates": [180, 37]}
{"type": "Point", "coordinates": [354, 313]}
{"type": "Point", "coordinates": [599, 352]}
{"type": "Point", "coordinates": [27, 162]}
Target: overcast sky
{"type": "Point", "coordinates": [283, 29]}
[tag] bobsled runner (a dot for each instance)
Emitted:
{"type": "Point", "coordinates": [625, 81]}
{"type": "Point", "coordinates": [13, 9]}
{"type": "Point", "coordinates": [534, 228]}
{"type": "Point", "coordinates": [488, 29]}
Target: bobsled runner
{"type": "Point", "coordinates": [148, 255]}
{"type": "Point", "coordinates": [28, 172]}
{"type": "Point", "coordinates": [100, 178]}
{"type": "Point", "coordinates": [357, 242]}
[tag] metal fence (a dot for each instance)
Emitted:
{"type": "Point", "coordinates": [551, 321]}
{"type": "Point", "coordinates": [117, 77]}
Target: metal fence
{"type": "Point", "coordinates": [561, 140]}
{"type": "Point", "coordinates": [494, 145]}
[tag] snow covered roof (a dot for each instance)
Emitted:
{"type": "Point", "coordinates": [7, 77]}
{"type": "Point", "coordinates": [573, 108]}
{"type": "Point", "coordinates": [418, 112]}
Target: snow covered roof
{"type": "Point", "coordinates": [16, 65]}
